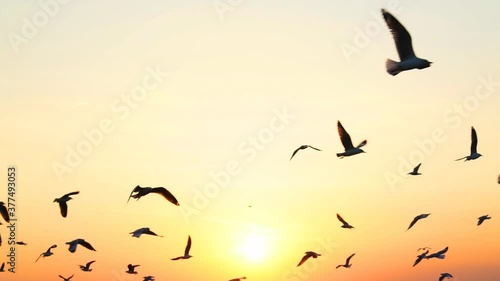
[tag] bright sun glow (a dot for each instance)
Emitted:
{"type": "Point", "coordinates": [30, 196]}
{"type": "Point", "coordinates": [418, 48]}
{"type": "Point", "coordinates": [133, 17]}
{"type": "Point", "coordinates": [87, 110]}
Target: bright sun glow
{"type": "Point", "coordinates": [254, 248]}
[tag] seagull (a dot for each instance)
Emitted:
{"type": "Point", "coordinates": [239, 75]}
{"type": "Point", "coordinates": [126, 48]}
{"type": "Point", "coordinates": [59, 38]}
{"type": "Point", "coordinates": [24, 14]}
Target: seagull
{"type": "Point", "coordinates": [439, 255]}
{"type": "Point", "coordinates": [145, 230]}
{"type": "Point", "coordinates": [347, 264]}
{"type": "Point", "coordinates": [347, 143]}
{"type": "Point", "coordinates": [424, 248]}
{"type": "Point", "coordinates": [2, 267]}
{"type": "Point", "coordinates": [473, 147]}
{"type": "Point", "coordinates": [47, 253]}
{"type": "Point", "coordinates": [481, 219]}
{"type": "Point", "coordinates": [404, 46]}
{"type": "Point", "coordinates": [148, 278]}
{"type": "Point", "coordinates": [87, 266]}
{"type": "Point", "coordinates": [186, 251]}
{"type": "Point", "coordinates": [307, 256]}
{"type": "Point", "coordinates": [238, 279]}
{"type": "Point", "coordinates": [303, 147]}
{"type": "Point", "coordinates": [76, 242]}
{"type": "Point", "coordinates": [415, 171]}
{"type": "Point", "coordinates": [67, 279]}
{"type": "Point", "coordinates": [62, 202]}
{"type": "Point", "coordinates": [417, 218]}
{"type": "Point", "coordinates": [420, 257]}
{"type": "Point", "coordinates": [142, 191]}
{"type": "Point", "coordinates": [344, 223]}
{"type": "Point", "coordinates": [21, 243]}
{"type": "Point", "coordinates": [445, 275]}
{"type": "Point", "coordinates": [4, 212]}
{"type": "Point", "coordinates": [131, 268]}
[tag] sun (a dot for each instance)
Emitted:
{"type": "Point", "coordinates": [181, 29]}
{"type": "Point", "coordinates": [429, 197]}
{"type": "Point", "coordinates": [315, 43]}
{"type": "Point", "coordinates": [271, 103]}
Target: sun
{"type": "Point", "coordinates": [254, 248]}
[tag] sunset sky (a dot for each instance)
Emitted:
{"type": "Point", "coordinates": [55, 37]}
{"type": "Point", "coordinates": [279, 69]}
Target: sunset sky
{"type": "Point", "coordinates": [210, 98]}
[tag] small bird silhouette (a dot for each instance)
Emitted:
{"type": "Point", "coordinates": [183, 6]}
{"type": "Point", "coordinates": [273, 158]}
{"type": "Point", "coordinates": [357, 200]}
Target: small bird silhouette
{"type": "Point", "coordinates": [347, 143]}
{"type": "Point", "coordinates": [63, 206]}
{"type": "Point", "coordinates": [66, 279]}
{"type": "Point", "coordinates": [145, 230]}
{"type": "Point", "coordinates": [143, 191]}
{"type": "Point", "coordinates": [344, 223]}
{"type": "Point", "coordinates": [47, 253]}
{"type": "Point", "coordinates": [307, 256]}
{"type": "Point", "coordinates": [445, 275]}
{"type": "Point", "coordinates": [404, 46]}
{"type": "Point", "coordinates": [186, 251]}
{"type": "Point", "coordinates": [303, 147]}
{"type": "Point", "coordinates": [473, 147]}
{"type": "Point", "coordinates": [347, 262]}
{"type": "Point", "coordinates": [87, 266]}
{"type": "Point", "coordinates": [481, 219]}
{"type": "Point", "coordinates": [238, 279]}
{"type": "Point", "coordinates": [131, 268]}
{"type": "Point", "coordinates": [417, 218]}
{"type": "Point", "coordinates": [73, 244]}
{"type": "Point", "coordinates": [415, 171]}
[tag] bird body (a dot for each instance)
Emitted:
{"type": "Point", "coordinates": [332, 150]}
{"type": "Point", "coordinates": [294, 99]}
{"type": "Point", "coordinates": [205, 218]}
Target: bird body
{"type": "Point", "coordinates": [307, 256]}
{"type": "Point", "coordinates": [186, 251]}
{"type": "Point", "coordinates": [402, 38]}
{"type": "Point", "coordinates": [349, 148]}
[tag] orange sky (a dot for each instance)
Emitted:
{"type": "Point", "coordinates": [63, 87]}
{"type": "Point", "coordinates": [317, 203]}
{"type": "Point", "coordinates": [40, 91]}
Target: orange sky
{"type": "Point", "coordinates": [211, 104]}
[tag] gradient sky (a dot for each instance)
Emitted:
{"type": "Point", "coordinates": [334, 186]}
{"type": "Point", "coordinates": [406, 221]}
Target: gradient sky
{"type": "Point", "coordinates": [230, 78]}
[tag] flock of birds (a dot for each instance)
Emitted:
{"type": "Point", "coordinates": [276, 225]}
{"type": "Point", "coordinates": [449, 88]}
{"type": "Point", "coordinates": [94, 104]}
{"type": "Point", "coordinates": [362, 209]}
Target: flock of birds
{"type": "Point", "coordinates": [408, 61]}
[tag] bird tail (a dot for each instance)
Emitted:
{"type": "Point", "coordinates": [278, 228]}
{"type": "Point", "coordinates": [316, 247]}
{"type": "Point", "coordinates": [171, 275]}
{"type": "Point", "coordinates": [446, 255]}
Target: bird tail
{"type": "Point", "coordinates": [392, 67]}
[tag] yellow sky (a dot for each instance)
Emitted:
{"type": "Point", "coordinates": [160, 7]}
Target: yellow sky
{"type": "Point", "coordinates": [211, 106]}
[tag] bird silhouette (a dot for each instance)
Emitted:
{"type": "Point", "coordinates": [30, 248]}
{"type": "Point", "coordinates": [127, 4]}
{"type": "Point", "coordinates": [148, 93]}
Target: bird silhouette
{"type": "Point", "coordinates": [143, 191]}
{"type": "Point", "coordinates": [63, 206]}
{"type": "Point", "coordinates": [347, 143]}
{"type": "Point", "coordinates": [186, 251]}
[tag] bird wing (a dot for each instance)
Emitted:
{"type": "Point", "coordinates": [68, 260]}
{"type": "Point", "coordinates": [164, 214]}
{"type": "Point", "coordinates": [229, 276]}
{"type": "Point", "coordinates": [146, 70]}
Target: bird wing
{"type": "Point", "coordinates": [137, 188]}
{"type": "Point", "coordinates": [415, 170]}
{"type": "Point", "coordinates": [361, 144]}
{"type": "Point", "coordinates": [62, 277]}
{"type": "Point", "coordinates": [401, 36]}
{"type": "Point", "coordinates": [413, 222]}
{"type": "Point", "coordinates": [64, 208]}
{"type": "Point", "coordinates": [314, 148]}
{"type": "Point", "coordinates": [39, 257]}
{"type": "Point", "coordinates": [344, 137]}
{"type": "Point", "coordinates": [71, 193]}
{"type": "Point", "coordinates": [349, 258]}
{"type": "Point", "coordinates": [4, 212]}
{"type": "Point", "coordinates": [340, 265]}
{"type": "Point", "coordinates": [188, 247]}
{"type": "Point", "coordinates": [165, 193]}
{"type": "Point", "coordinates": [148, 231]}
{"type": "Point", "coordinates": [473, 145]}
{"type": "Point", "coordinates": [341, 219]}
{"type": "Point", "coordinates": [86, 245]}
{"type": "Point", "coordinates": [89, 263]}
{"type": "Point", "coordinates": [442, 251]}
{"type": "Point", "coordinates": [295, 152]}
{"type": "Point", "coordinates": [441, 278]}
{"type": "Point", "coordinates": [177, 258]}
{"type": "Point", "coordinates": [303, 260]}
{"type": "Point", "coordinates": [2, 267]}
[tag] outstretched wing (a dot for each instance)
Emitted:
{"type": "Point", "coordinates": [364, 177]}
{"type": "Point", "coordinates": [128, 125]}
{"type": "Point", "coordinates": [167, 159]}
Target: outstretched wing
{"type": "Point", "coordinates": [71, 193]}
{"type": "Point", "coordinates": [314, 148]}
{"type": "Point", "coordinates": [165, 193]}
{"type": "Point", "coordinates": [177, 258]}
{"type": "Point", "coordinates": [63, 208]}
{"type": "Point", "coordinates": [89, 263]}
{"type": "Point", "coordinates": [401, 36]}
{"type": "Point", "coordinates": [349, 258]}
{"type": "Point", "coordinates": [148, 231]}
{"type": "Point", "coordinates": [295, 152]}
{"type": "Point", "coordinates": [4, 212]}
{"type": "Point", "coordinates": [413, 222]}
{"type": "Point", "coordinates": [473, 145]}
{"type": "Point", "coordinates": [361, 144]}
{"type": "Point", "coordinates": [86, 245]}
{"type": "Point", "coordinates": [415, 170]}
{"type": "Point", "coordinates": [341, 219]}
{"type": "Point", "coordinates": [303, 260]}
{"type": "Point", "coordinates": [188, 247]}
{"type": "Point", "coordinates": [344, 137]}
